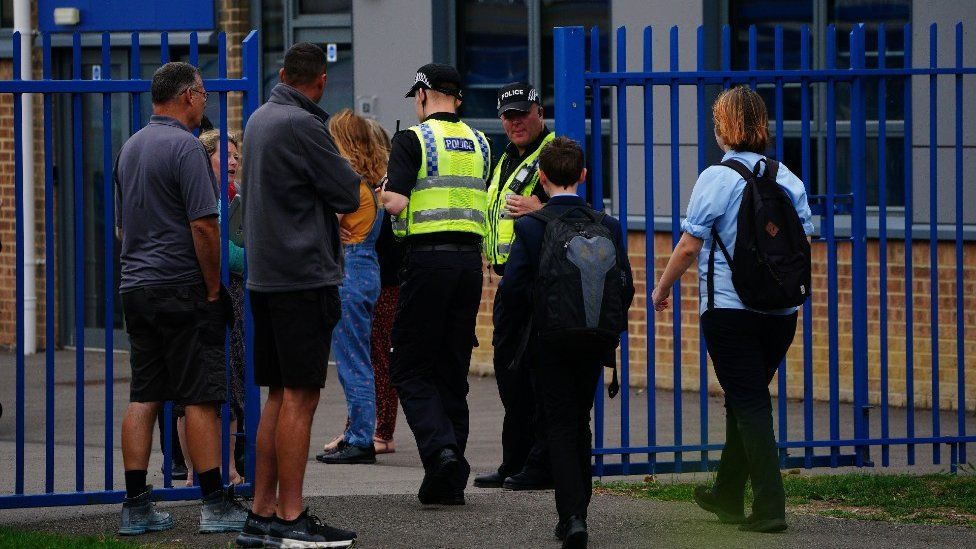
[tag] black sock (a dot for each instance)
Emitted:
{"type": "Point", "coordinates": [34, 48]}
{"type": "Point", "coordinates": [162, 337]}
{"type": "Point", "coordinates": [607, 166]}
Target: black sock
{"type": "Point", "coordinates": [135, 483]}
{"type": "Point", "coordinates": [210, 481]}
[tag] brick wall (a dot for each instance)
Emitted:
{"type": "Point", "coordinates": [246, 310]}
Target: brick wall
{"type": "Point", "coordinates": [895, 344]}
{"type": "Point", "coordinates": [234, 19]}
{"type": "Point", "coordinates": [8, 258]}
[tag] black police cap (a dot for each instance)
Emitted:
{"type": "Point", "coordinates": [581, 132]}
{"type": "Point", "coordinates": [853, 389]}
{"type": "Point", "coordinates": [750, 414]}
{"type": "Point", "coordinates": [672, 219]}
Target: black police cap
{"type": "Point", "coordinates": [518, 96]}
{"type": "Point", "coordinates": [437, 77]}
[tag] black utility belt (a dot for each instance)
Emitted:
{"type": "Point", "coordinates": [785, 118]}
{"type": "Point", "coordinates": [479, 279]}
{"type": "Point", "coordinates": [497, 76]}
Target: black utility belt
{"type": "Point", "coordinates": [444, 247]}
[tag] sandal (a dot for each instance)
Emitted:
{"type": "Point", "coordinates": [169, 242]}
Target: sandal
{"type": "Point", "coordinates": [384, 446]}
{"type": "Point", "coordinates": [333, 445]}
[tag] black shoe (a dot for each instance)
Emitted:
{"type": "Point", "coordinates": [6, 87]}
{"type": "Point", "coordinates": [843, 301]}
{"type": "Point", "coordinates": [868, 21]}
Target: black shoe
{"type": "Point", "coordinates": [325, 453]}
{"type": "Point", "coordinates": [307, 531]}
{"type": "Point", "coordinates": [255, 531]}
{"type": "Point", "coordinates": [437, 480]}
{"type": "Point", "coordinates": [527, 480]}
{"type": "Point", "coordinates": [576, 535]}
{"type": "Point", "coordinates": [490, 480]}
{"type": "Point", "coordinates": [766, 526]}
{"type": "Point", "coordinates": [451, 498]}
{"type": "Point", "coordinates": [349, 454]}
{"type": "Point", "coordinates": [707, 500]}
{"type": "Point", "coordinates": [561, 528]}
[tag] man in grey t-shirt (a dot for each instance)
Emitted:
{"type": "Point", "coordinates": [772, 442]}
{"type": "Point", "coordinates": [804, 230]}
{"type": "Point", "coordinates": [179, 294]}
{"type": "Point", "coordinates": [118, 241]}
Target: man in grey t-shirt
{"type": "Point", "coordinates": [167, 215]}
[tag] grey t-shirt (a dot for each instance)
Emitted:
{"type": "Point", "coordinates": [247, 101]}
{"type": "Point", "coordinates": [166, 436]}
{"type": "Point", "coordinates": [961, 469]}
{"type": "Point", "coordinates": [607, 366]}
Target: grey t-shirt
{"type": "Point", "coordinates": [163, 180]}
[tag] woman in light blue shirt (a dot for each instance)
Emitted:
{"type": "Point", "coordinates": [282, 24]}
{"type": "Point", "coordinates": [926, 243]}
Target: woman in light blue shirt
{"type": "Point", "coordinates": [746, 345]}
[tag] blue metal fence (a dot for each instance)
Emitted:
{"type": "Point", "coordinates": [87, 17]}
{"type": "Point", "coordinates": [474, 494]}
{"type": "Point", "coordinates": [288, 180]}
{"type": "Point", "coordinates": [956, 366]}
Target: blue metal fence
{"type": "Point", "coordinates": [109, 89]}
{"type": "Point", "coordinates": [573, 77]}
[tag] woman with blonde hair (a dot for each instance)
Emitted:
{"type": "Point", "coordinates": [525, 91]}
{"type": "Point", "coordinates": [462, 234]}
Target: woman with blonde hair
{"type": "Point", "coordinates": [210, 140]}
{"type": "Point", "coordinates": [359, 290]}
{"type": "Point", "coordinates": [746, 345]}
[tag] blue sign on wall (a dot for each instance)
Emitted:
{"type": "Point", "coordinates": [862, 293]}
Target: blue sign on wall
{"type": "Point", "coordinates": [129, 15]}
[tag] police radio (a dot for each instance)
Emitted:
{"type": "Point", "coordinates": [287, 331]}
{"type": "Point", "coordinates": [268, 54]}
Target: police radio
{"type": "Point", "coordinates": [522, 178]}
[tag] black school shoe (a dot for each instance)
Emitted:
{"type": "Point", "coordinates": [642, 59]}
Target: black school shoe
{"type": "Point", "coordinates": [436, 487]}
{"type": "Point", "coordinates": [575, 535]}
{"type": "Point", "coordinates": [529, 480]}
{"type": "Point", "coordinates": [707, 500]}
{"type": "Point", "coordinates": [347, 453]}
{"type": "Point", "coordinates": [489, 480]}
{"type": "Point", "coordinates": [765, 526]}
{"type": "Point", "coordinates": [307, 531]}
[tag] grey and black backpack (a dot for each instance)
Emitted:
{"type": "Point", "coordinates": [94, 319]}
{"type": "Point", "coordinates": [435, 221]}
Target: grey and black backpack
{"type": "Point", "coordinates": [578, 297]}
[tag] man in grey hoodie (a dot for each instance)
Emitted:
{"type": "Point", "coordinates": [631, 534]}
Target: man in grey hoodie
{"type": "Point", "coordinates": [296, 184]}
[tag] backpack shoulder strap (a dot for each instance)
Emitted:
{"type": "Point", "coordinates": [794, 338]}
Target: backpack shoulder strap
{"type": "Point", "coordinates": [772, 168]}
{"type": "Point", "coordinates": [740, 168]}
{"type": "Point", "coordinates": [543, 215]}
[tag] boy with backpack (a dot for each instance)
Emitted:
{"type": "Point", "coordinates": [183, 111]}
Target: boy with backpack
{"type": "Point", "coordinates": [569, 283]}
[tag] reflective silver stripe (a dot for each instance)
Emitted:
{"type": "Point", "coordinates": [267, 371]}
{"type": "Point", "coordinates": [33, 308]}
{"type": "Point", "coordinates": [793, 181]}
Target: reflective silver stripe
{"type": "Point", "coordinates": [399, 224]}
{"type": "Point", "coordinates": [449, 214]}
{"type": "Point", "coordinates": [504, 248]}
{"type": "Point", "coordinates": [450, 182]}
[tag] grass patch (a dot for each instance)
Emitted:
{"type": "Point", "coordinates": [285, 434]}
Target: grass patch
{"type": "Point", "coordinates": [38, 540]}
{"type": "Point", "coordinates": [920, 499]}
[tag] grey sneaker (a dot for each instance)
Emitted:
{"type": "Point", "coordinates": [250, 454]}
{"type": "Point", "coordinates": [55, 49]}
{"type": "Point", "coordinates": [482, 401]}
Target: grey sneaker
{"type": "Point", "coordinates": [222, 512]}
{"type": "Point", "coordinates": [139, 515]}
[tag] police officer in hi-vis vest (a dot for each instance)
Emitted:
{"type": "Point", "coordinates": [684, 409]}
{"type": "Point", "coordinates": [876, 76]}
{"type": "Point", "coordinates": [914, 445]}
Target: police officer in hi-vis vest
{"type": "Point", "coordinates": [515, 191]}
{"type": "Point", "coordinates": [436, 190]}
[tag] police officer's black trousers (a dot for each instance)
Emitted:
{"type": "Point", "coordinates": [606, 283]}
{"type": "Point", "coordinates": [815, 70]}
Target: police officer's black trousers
{"type": "Point", "coordinates": [746, 348]}
{"type": "Point", "coordinates": [433, 335]}
{"type": "Point", "coordinates": [523, 428]}
{"type": "Point", "coordinates": [567, 385]}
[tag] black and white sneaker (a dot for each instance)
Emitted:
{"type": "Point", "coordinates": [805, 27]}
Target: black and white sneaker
{"type": "Point", "coordinates": [307, 531]}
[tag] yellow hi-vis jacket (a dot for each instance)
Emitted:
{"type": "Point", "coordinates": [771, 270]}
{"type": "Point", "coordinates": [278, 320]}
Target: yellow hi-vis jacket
{"type": "Point", "coordinates": [501, 225]}
{"type": "Point", "coordinates": [450, 192]}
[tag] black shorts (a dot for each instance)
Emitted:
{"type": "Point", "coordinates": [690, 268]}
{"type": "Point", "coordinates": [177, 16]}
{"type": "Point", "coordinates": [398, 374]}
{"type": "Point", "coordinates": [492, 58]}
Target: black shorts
{"type": "Point", "coordinates": [177, 342]}
{"type": "Point", "coordinates": [293, 336]}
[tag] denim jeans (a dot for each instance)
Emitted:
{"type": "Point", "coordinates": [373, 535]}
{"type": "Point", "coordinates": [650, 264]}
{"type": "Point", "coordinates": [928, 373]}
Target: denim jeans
{"type": "Point", "coordinates": [350, 341]}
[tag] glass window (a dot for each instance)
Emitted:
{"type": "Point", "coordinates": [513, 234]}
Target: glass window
{"type": "Point", "coordinates": [493, 50]}
{"type": "Point", "coordinates": [272, 42]}
{"type": "Point", "coordinates": [844, 14]}
{"type": "Point", "coordinates": [324, 7]}
{"type": "Point", "coordinates": [566, 13]}
{"type": "Point", "coordinates": [791, 15]}
{"type": "Point", "coordinates": [7, 14]}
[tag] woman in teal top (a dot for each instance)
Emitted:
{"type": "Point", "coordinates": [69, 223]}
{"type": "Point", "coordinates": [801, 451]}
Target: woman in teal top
{"type": "Point", "coordinates": [746, 346]}
{"type": "Point", "coordinates": [211, 144]}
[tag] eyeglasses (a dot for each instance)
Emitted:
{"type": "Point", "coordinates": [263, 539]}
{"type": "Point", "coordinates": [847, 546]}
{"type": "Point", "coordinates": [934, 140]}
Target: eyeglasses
{"type": "Point", "coordinates": [206, 95]}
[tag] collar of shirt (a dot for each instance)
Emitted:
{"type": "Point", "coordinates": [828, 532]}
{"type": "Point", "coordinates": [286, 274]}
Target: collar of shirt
{"type": "Point", "coordinates": [167, 121]}
{"type": "Point", "coordinates": [511, 151]}
{"type": "Point", "coordinates": [746, 157]}
{"type": "Point", "coordinates": [287, 95]}
{"type": "Point", "coordinates": [444, 116]}
{"type": "Point", "coordinates": [574, 195]}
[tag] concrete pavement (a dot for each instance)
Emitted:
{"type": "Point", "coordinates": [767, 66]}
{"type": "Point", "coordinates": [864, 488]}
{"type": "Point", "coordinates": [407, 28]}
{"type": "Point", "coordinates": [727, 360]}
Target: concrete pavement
{"type": "Point", "coordinates": [379, 500]}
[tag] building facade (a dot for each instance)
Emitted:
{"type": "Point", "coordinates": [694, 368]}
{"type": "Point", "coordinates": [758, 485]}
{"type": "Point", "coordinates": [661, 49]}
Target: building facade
{"type": "Point", "coordinates": [375, 46]}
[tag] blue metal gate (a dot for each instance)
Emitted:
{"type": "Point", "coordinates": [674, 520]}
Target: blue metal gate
{"type": "Point", "coordinates": [579, 87]}
{"type": "Point", "coordinates": [131, 91]}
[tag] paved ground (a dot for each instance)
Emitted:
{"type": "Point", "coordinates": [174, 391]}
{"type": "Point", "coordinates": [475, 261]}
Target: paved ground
{"type": "Point", "coordinates": [496, 519]}
{"type": "Point", "coordinates": [379, 500]}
